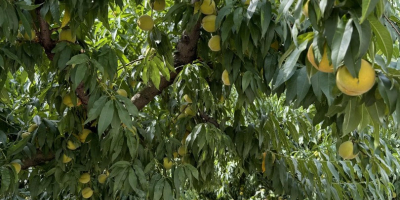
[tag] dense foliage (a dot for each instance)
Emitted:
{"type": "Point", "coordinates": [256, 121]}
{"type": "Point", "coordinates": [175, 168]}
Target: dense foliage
{"type": "Point", "coordinates": [204, 99]}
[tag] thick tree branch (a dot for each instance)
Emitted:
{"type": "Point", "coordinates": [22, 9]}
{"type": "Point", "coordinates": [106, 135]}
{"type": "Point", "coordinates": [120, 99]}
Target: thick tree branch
{"type": "Point", "coordinates": [39, 159]}
{"type": "Point", "coordinates": [141, 99]}
{"type": "Point", "coordinates": [185, 54]}
{"type": "Point", "coordinates": [45, 35]}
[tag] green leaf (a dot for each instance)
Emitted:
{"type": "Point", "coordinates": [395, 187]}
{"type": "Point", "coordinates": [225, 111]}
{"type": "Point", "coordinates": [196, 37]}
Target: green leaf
{"type": "Point", "coordinates": [365, 33]}
{"type": "Point", "coordinates": [247, 77]}
{"type": "Point", "coordinates": [158, 189]}
{"type": "Point", "coordinates": [17, 147]}
{"type": "Point", "coordinates": [25, 6]}
{"type": "Point", "coordinates": [177, 183]}
{"type": "Point", "coordinates": [55, 11]}
{"type": "Point", "coordinates": [398, 110]}
{"type": "Point", "coordinates": [226, 28]}
{"type": "Point", "coordinates": [3, 78]}
{"type": "Point", "coordinates": [106, 116]}
{"type": "Point", "coordinates": [79, 74]}
{"type": "Point", "coordinates": [224, 11]}
{"type": "Point", "coordinates": [97, 107]}
{"type": "Point", "coordinates": [326, 82]}
{"type": "Point", "coordinates": [383, 37]}
{"type": "Point", "coordinates": [129, 105]}
{"type": "Point", "coordinates": [384, 177]}
{"type": "Point", "coordinates": [289, 67]}
{"type": "Point", "coordinates": [132, 179]}
{"type": "Point", "coordinates": [380, 8]}
{"type": "Point", "coordinates": [367, 7]}
{"type": "Point", "coordinates": [167, 193]}
{"type": "Point", "coordinates": [78, 59]}
{"type": "Point", "coordinates": [41, 134]}
{"type": "Point", "coordinates": [99, 66]}
{"type": "Point", "coordinates": [303, 84]}
{"type": "Point", "coordinates": [283, 175]}
{"type": "Point", "coordinates": [59, 47]}
{"type": "Point", "coordinates": [388, 92]}
{"type": "Point", "coordinates": [124, 116]}
{"type": "Point", "coordinates": [351, 60]}
{"type": "Point", "coordinates": [255, 36]}
{"type": "Point", "coordinates": [193, 170]}
{"type": "Point", "coordinates": [155, 77]}
{"type": "Point", "coordinates": [377, 111]}
{"type": "Point", "coordinates": [341, 41]}
{"type": "Point", "coordinates": [11, 55]}
{"type": "Point", "coordinates": [1, 62]}
{"type": "Point", "coordinates": [333, 170]}
{"type": "Point", "coordinates": [365, 119]}
{"type": "Point", "coordinates": [118, 179]}
{"type": "Point", "coordinates": [3, 137]}
{"type": "Point", "coordinates": [12, 18]}
{"type": "Point", "coordinates": [352, 116]}
{"type": "Point", "coordinates": [237, 19]}
{"type": "Point", "coordinates": [335, 193]}
{"type": "Point", "coordinates": [284, 7]}
{"type": "Point", "coordinates": [245, 37]}
{"type": "Point", "coordinates": [131, 143]}
{"type": "Point", "coordinates": [134, 184]}
{"type": "Point", "coordinates": [25, 22]}
{"type": "Point", "coordinates": [112, 66]}
{"type": "Point", "coordinates": [140, 174]}
{"type": "Point", "coordinates": [65, 55]}
{"type": "Point", "coordinates": [176, 8]}
{"type": "Point", "coordinates": [121, 164]}
{"type": "Point", "coordinates": [161, 66]}
{"type": "Point", "coordinates": [265, 17]}
{"type": "Point", "coordinates": [5, 179]}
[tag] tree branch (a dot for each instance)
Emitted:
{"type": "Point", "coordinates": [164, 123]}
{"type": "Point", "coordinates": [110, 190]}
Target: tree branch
{"type": "Point", "coordinates": [44, 35]}
{"type": "Point", "coordinates": [48, 44]}
{"type": "Point", "coordinates": [186, 52]}
{"type": "Point", "coordinates": [393, 26]}
{"type": "Point", "coordinates": [39, 159]}
{"type": "Point", "coordinates": [209, 119]}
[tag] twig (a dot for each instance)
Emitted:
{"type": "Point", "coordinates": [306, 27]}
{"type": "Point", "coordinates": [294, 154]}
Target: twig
{"type": "Point", "coordinates": [129, 63]}
{"type": "Point", "coordinates": [209, 119]}
{"type": "Point", "coordinates": [8, 123]}
{"type": "Point", "coordinates": [180, 112]}
{"type": "Point", "coordinates": [393, 26]}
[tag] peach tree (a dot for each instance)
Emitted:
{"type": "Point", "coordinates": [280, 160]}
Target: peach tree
{"type": "Point", "coordinates": [209, 99]}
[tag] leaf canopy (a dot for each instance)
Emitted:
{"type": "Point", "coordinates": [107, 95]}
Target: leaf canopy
{"type": "Point", "coordinates": [273, 132]}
